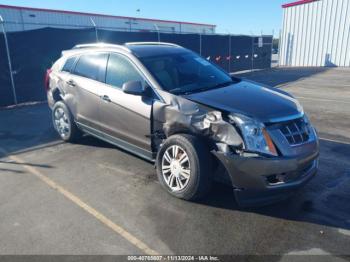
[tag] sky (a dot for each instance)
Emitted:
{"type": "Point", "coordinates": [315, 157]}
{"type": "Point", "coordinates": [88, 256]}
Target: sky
{"type": "Point", "coordinates": [230, 16]}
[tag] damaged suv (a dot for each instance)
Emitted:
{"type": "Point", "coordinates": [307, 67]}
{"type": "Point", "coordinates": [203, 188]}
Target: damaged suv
{"type": "Point", "coordinates": [198, 124]}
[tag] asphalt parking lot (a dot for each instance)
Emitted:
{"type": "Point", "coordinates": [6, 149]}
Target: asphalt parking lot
{"type": "Point", "coordinates": [91, 198]}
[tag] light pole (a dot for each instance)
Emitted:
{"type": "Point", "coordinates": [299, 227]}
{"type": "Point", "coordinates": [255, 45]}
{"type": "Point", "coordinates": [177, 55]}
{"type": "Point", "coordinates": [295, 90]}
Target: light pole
{"type": "Point", "coordinates": [138, 12]}
{"type": "Point", "coordinates": [9, 60]}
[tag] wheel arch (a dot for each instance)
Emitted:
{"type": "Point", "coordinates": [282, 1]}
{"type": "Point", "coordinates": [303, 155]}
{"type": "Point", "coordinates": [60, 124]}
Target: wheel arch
{"type": "Point", "coordinates": [57, 95]}
{"type": "Point", "coordinates": [201, 158]}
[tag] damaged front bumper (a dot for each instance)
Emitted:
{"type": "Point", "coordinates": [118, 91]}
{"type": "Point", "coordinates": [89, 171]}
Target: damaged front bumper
{"type": "Point", "coordinates": [261, 181]}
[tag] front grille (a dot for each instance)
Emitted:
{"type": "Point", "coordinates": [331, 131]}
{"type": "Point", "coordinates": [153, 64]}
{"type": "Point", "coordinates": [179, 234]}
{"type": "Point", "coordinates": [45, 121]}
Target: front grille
{"type": "Point", "coordinates": [296, 131]}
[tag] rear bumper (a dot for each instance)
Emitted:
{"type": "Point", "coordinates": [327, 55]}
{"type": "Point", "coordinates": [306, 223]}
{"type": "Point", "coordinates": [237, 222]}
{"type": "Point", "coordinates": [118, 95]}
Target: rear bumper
{"type": "Point", "coordinates": [262, 181]}
{"type": "Point", "coordinates": [50, 99]}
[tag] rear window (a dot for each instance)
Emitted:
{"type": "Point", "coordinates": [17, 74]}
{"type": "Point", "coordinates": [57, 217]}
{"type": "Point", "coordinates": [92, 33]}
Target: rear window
{"type": "Point", "coordinates": [91, 66]}
{"type": "Point", "coordinates": [69, 64]}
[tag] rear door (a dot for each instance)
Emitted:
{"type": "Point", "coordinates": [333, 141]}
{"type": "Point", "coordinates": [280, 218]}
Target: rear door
{"type": "Point", "coordinates": [124, 116]}
{"type": "Point", "coordinates": [59, 78]}
{"type": "Point", "coordinates": [86, 86]}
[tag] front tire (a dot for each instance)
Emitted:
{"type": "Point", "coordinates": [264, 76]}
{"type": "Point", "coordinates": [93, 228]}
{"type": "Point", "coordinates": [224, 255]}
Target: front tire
{"type": "Point", "coordinates": [184, 167]}
{"type": "Point", "coordinates": [64, 124]}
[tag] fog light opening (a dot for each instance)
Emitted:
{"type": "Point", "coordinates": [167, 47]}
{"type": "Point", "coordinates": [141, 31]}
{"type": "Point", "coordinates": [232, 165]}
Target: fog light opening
{"type": "Point", "coordinates": [275, 179]}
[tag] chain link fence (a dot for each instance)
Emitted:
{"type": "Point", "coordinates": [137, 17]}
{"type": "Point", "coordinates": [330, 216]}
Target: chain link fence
{"type": "Point", "coordinates": [29, 53]}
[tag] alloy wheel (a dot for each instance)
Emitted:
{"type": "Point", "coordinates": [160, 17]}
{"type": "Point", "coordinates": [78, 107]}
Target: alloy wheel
{"type": "Point", "coordinates": [176, 168]}
{"type": "Point", "coordinates": [61, 122]}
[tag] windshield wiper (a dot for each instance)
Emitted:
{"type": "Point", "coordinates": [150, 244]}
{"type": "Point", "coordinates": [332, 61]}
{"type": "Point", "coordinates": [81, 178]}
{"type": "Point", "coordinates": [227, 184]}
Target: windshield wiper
{"type": "Point", "coordinates": [178, 91]}
{"type": "Point", "coordinates": [214, 86]}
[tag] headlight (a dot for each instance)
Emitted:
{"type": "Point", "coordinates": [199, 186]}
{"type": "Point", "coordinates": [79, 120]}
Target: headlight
{"type": "Point", "coordinates": [309, 128]}
{"type": "Point", "coordinates": [306, 120]}
{"type": "Point", "coordinates": [256, 138]}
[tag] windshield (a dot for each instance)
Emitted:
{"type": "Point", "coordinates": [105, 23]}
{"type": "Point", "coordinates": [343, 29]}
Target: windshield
{"type": "Point", "coordinates": [184, 73]}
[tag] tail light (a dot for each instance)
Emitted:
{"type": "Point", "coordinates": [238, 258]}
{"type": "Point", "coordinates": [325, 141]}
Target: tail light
{"type": "Point", "coordinates": [47, 79]}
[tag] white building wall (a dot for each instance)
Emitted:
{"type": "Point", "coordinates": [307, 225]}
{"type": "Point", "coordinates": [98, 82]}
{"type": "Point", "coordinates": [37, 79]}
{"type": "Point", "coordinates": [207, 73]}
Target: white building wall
{"type": "Point", "coordinates": [316, 34]}
{"type": "Point", "coordinates": [18, 19]}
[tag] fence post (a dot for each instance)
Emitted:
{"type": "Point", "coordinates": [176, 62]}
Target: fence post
{"type": "Point", "coordinates": [273, 32]}
{"type": "Point", "coordinates": [94, 24]}
{"type": "Point", "coordinates": [252, 55]}
{"type": "Point", "coordinates": [279, 46]}
{"type": "Point", "coordinates": [229, 53]}
{"type": "Point", "coordinates": [200, 43]}
{"type": "Point", "coordinates": [157, 28]}
{"type": "Point", "coordinates": [9, 60]}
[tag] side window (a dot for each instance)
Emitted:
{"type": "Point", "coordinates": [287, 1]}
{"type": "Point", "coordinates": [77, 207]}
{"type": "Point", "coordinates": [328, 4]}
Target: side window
{"type": "Point", "coordinates": [91, 66]}
{"type": "Point", "coordinates": [120, 71]}
{"type": "Point", "coordinates": [69, 64]}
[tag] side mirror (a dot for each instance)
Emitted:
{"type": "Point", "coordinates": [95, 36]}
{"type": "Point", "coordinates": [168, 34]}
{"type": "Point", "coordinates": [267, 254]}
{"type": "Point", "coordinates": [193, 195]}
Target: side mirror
{"type": "Point", "coordinates": [133, 88]}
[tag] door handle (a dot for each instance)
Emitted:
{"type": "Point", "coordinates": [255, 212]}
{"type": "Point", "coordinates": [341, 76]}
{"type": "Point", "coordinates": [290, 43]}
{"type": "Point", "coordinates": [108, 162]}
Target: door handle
{"type": "Point", "coordinates": [71, 83]}
{"type": "Point", "coordinates": [106, 98]}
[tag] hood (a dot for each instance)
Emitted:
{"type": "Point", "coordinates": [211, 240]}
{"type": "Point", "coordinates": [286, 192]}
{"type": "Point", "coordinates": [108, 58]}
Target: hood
{"type": "Point", "coordinates": [251, 99]}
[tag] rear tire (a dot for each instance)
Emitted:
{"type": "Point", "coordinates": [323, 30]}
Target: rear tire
{"type": "Point", "coordinates": [64, 123]}
{"type": "Point", "coordinates": [184, 167]}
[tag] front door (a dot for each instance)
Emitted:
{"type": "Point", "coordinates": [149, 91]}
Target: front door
{"type": "Point", "coordinates": [124, 116]}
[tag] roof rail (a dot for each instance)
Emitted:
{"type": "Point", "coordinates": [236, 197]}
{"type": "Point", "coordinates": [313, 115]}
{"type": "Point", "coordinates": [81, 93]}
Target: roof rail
{"type": "Point", "coordinates": [100, 45]}
{"type": "Point", "coordinates": [152, 43]}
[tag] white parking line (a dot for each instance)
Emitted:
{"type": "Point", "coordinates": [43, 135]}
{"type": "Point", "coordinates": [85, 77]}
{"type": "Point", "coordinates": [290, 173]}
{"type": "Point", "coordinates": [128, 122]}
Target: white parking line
{"type": "Point", "coordinates": [335, 141]}
{"type": "Point", "coordinates": [322, 99]}
{"type": "Point", "coordinates": [76, 200]}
